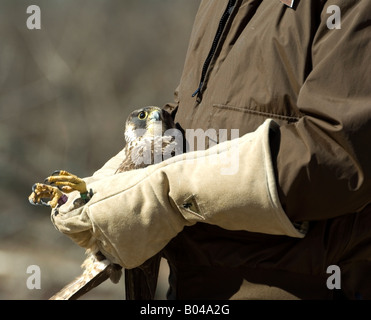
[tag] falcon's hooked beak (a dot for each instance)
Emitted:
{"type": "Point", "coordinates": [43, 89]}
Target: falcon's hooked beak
{"type": "Point", "coordinates": [155, 115]}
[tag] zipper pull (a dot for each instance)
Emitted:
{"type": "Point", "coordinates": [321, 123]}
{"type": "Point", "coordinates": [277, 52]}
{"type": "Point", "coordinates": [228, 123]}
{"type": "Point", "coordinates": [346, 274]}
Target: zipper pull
{"type": "Point", "coordinates": [194, 93]}
{"type": "Point", "coordinates": [198, 90]}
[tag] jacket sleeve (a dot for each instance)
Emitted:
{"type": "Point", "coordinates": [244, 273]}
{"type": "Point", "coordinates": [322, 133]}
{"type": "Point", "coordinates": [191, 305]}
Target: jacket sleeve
{"type": "Point", "coordinates": [324, 159]}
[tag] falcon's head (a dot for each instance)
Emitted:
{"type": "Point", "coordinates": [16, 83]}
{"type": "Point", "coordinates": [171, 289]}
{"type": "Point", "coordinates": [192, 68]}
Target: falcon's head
{"type": "Point", "coordinates": [147, 122]}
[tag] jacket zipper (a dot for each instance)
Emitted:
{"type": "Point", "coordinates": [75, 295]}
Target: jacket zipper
{"type": "Point", "coordinates": [219, 32]}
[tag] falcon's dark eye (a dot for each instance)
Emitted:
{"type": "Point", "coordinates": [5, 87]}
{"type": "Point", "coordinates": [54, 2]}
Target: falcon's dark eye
{"type": "Point", "coordinates": [142, 115]}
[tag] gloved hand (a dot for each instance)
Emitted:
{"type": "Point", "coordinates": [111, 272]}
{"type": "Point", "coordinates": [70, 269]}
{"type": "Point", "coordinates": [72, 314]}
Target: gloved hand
{"type": "Point", "coordinates": [133, 215]}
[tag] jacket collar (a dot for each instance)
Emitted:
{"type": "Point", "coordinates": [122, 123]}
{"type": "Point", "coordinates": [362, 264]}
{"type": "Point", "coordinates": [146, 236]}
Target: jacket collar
{"type": "Point", "coordinates": [289, 3]}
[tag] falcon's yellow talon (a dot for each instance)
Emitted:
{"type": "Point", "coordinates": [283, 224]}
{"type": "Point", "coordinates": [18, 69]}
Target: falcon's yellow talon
{"type": "Point", "coordinates": [67, 182]}
{"type": "Point", "coordinates": [40, 192]}
{"type": "Point", "coordinates": [50, 193]}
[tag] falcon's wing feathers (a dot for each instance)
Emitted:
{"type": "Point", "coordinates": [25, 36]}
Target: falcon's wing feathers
{"type": "Point", "coordinates": [95, 272]}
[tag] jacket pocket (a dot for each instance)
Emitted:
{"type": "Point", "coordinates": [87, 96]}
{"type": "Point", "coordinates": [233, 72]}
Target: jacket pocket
{"type": "Point", "coordinates": [246, 120]}
{"type": "Point", "coordinates": [263, 114]}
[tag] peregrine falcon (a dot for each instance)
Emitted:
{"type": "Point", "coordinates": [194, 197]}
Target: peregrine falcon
{"type": "Point", "coordinates": [149, 139]}
{"type": "Point", "coordinates": [146, 143]}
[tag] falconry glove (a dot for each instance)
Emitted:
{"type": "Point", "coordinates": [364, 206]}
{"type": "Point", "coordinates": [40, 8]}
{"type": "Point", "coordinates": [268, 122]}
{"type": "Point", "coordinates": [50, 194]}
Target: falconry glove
{"type": "Point", "coordinates": [133, 215]}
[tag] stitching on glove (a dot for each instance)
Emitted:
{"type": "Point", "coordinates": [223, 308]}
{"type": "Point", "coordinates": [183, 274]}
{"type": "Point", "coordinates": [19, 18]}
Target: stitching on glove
{"type": "Point", "coordinates": [191, 206]}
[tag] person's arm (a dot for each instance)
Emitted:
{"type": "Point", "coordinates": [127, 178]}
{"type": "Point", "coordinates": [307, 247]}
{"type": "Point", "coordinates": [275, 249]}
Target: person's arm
{"type": "Point", "coordinates": [133, 215]}
{"type": "Point", "coordinates": [324, 160]}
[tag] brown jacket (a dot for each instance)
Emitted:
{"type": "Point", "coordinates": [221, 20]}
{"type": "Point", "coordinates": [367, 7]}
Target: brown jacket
{"type": "Point", "coordinates": [272, 61]}
{"type": "Point", "coordinates": [249, 60]}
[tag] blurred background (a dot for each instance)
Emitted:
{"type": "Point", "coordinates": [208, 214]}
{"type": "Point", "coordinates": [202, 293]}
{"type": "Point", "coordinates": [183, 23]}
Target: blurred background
{"type": "Point", "coordinates": [65, 92]}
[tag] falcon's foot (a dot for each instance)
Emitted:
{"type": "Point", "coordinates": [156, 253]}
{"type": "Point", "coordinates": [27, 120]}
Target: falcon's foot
{"type": "Point", "coordinates": [51, 192]}
{"type": "Point", "coordinates": [67, 182]}
{"type": "Point", "coordinates": [43, 194]}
